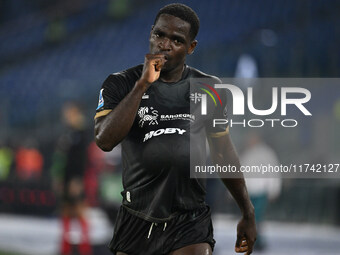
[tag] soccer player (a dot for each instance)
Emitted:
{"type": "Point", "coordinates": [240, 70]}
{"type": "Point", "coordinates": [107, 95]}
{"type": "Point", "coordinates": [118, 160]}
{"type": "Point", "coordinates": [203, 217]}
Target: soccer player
{"type": "Point", "coordinates": [68, 170]}
{"type": "Point", "coordinates": [147, 109]}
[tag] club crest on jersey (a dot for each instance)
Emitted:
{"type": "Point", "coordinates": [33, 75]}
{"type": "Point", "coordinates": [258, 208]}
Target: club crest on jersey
{"type": "Point", "coordinates": [147, 115]}
{"type": "Point", "coordinates": [101, 99]}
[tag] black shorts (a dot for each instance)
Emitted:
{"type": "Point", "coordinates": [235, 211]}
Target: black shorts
{"type": "Point", "coordinates": [136, 236]}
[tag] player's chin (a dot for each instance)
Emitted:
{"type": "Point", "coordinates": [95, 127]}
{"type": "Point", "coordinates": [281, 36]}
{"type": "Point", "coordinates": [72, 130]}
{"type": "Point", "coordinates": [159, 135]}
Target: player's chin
{"type": "Point", "coordinates": [166, 68]}
{"type": "Point", "coordinates": [170, 65]}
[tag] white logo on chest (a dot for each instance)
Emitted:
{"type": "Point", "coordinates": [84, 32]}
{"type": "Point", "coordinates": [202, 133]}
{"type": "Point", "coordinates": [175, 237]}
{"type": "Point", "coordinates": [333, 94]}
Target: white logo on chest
{"type": "Point", "coordinates": [163, 131]}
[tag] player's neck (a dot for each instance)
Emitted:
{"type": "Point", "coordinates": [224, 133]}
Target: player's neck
{"type": "Point", "coordinates": [173, 75]}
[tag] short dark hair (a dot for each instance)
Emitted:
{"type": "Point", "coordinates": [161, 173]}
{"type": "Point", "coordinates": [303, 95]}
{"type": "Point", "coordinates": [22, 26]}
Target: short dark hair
{"type": "Point", "coordinates": [183, 12]}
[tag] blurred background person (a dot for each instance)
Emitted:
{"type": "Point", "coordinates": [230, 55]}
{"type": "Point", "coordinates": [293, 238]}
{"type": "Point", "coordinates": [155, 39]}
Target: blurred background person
{"type": "Point", "coordinates": [68, 171]}
{"type": "Point", "coordinates": [261, 190]}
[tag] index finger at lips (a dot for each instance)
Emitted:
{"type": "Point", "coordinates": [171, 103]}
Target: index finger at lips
{"type": "Point", "coordinates": [154, 61]}
{"type": "Point", "coordinates": [159, 64]}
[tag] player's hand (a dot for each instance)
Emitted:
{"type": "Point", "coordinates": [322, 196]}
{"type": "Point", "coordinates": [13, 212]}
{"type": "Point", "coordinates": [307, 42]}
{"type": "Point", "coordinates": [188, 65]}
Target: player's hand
{"type": "Point", "coordinates": [153, 64]}
{"type": "Point", "coordinates": [246, 235]}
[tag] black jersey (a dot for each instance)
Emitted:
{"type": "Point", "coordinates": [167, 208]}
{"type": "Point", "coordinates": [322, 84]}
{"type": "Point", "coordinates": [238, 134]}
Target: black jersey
{"type": "Point", "coordinates": [73, 146]}
{"type": "Point", "coordinates": [156, 151]}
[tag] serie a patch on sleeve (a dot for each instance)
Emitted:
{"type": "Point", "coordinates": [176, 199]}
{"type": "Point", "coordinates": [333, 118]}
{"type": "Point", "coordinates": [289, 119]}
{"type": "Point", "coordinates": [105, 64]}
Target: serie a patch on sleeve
{"type": "Point", "coordinates": [101, 100]}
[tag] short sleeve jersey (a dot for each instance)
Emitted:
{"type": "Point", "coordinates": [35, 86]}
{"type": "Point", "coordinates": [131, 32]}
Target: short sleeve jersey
{"type": "Point", "coordinates": [156, 151]}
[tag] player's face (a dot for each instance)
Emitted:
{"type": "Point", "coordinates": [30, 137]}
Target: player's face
{"type": "Point", "coordinates": [170, 36]}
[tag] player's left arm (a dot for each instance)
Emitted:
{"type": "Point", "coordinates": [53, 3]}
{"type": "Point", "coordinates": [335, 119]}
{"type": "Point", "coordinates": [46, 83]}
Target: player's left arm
{"type": "Point", "coordinates": [223, 153]}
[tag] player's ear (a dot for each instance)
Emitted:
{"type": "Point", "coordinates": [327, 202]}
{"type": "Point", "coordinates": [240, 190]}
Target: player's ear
{"type": "Point", "coordinates": [192, 47]}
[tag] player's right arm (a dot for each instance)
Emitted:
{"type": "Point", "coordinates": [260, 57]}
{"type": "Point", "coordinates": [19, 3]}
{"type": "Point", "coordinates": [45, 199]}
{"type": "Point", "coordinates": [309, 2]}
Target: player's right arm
{"type": "Point", "coordinates": [112, 128]}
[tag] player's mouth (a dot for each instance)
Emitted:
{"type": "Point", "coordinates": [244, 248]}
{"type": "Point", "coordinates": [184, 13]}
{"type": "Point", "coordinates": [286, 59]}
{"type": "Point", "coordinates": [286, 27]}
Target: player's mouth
{"type": "Point", "coordinates": [166, 56]}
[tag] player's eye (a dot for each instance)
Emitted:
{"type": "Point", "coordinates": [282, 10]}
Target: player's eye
{"type": "Point", "coordinates": [158, 34]}
{"type": "Point", "coordinates": [177, 41]}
